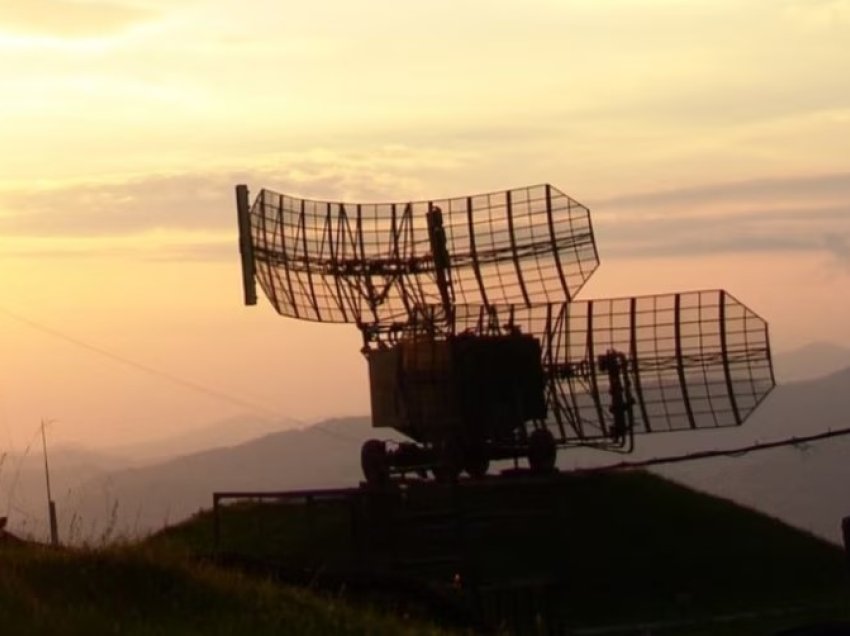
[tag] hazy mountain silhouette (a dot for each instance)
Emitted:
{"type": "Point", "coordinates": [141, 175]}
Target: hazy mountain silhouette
{"type": "Point", "coordinates": [138, 500]}
{"type": "Point", "coordinates": [226, 432]}
{"type": "Point", "coordinates": [811, 361]}
{"type": "Point", "coordinates": [802, 486]}
{"type": "Point", "coordinates": [23, 495]}
{"type": "Point", "coordinates": [805, 487]}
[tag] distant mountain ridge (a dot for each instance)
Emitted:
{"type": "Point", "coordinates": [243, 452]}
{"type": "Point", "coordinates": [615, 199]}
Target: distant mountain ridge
{"type": "Point", "coordinates": [811, 361]}
{"type": "Point", "coordinates": [221, 433]}
{"type": "Point", "coordinates": [802, 487]}
{"type": "Point", "coordinates": [139, 500]}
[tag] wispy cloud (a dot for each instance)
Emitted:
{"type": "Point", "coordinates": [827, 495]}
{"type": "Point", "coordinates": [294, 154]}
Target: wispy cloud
{"type": "Point", "coordinates": [773, 189]}
{"type": "Point", "coordinates": [192, 216]}
{"type": "Point", "coordinates": [204, 201]}
{"type": "Point", "coordinates": [69, 19]}
{"type": "Point", "coordinates": [799, 214]}
{"type": "Point", "coordinates": [838, 245]}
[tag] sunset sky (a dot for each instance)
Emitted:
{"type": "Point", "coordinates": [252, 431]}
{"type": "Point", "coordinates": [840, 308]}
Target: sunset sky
{"type": "Point", "coordinates": [709, 138]}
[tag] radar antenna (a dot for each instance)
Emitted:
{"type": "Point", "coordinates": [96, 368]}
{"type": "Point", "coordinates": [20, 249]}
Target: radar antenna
{"type": "Point", "coordinates": [476, 345]}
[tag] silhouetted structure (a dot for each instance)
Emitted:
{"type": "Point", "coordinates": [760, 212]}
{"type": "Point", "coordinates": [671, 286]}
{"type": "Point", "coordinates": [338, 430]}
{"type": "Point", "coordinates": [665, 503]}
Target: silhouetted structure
{"type": "Point", "coordinates": [477, 349]}
{"type": "Point", "coordinates": [7, 537]}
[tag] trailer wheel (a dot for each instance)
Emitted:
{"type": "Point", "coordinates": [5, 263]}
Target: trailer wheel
{"type": "Point", "coordinates": [449, 461]}
{"type": "Point", "coordinates": [542, 450]}
{"type": "Point", "coordinates": [475, 461]}
{"type": "Point", "coordinates": [374, 462]}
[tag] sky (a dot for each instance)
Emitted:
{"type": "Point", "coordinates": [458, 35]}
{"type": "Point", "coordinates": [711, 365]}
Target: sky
{"type": "Point", "coordinates": [709, 139]}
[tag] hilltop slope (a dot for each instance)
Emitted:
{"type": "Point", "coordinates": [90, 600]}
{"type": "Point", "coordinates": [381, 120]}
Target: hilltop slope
{"type": "Point", "coordinates": [138, 591]}
{"type": "Point", "coordinates": [598, 549]}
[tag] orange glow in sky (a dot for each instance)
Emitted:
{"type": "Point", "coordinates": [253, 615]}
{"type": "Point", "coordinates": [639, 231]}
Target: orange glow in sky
{"type": "Point", "coordinates": [709, 139]}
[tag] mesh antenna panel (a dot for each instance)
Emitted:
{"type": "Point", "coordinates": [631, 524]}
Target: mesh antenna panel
{"type": "Point", "coordinates": [379, 263]}
{"type": "Point", "coordinates": [477, 348]}
{"type": "Point", "coordinates": [682, 361]}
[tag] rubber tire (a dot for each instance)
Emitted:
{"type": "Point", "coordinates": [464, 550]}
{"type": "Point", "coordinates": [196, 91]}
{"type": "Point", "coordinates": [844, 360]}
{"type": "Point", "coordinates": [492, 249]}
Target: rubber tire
{"type": "Point", "coordinates": [374, 462]}
{"type": "Point", "coordinates": [475, 461]}
{"type": "Point", "coordinates": [449, 462]}
{"type": "Point", "coordinates": [542, 451]}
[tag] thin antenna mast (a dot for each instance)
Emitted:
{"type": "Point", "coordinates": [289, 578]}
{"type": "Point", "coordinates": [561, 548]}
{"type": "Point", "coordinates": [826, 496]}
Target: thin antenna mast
{"type": "Point", "coordinates": [51, 505]}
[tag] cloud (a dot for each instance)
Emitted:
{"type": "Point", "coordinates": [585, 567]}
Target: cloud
{"type": "Point", "coordinates": [796, 214]}
{"type": "Point", "coordinates": [205, 201]}
{"type": "Point", "coordinates": [703, 236]}
{"type": "Point", "coordinates": [69, 18]}
{"type": "Point", "coordinates": [772, 189]}
{"type": "Point", "coordinates": [175, 202]}
{"type": "Point", "coordinates": [192, 216]}
{"type": "Point", "coordinates": [838, 245]}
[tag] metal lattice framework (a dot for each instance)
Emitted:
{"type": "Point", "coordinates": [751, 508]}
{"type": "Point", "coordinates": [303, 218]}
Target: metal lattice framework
{"type": "Point", "coordinates": [376, 263]}
{"type": "Point", "coordinates": [689, 360]}
{"type": "Point", "coordinates": [418, 277]}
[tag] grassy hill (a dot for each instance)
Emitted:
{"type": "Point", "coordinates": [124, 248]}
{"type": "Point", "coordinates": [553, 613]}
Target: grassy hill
{"type": "Point", "coordinates": [598, 549]}
{"type": "Point", "coordinates": [594, 551]}
{"type": "Point", "coordinates": [139, 590]}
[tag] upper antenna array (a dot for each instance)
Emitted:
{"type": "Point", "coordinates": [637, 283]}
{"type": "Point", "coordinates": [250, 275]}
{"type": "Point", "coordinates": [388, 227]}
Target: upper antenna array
{"type": "Point", "coordinates": [379, 263]}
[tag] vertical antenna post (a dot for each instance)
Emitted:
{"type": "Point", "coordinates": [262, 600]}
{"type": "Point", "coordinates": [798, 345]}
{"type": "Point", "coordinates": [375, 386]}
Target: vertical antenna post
{"type": "Point", "coordinates": [51, 506]}
{"type": "Point", "coordinates": [246, 245]}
